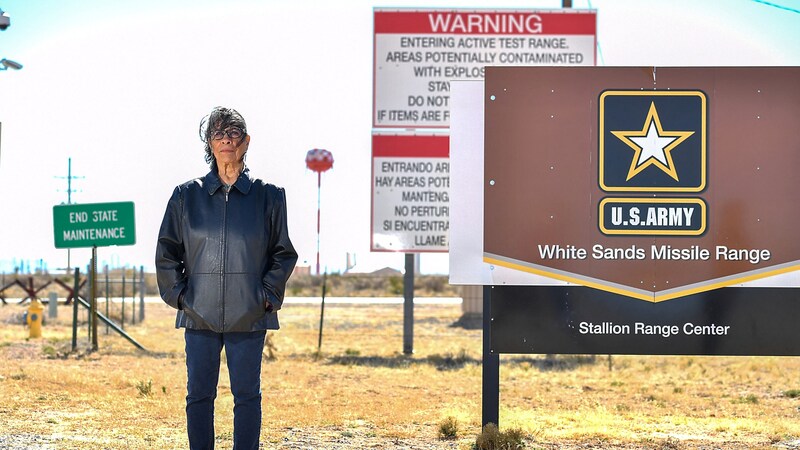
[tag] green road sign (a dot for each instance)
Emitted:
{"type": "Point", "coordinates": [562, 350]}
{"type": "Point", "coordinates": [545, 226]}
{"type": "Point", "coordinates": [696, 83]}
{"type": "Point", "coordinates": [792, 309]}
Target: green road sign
{"type": "Point", "coordinates": [94, 224]}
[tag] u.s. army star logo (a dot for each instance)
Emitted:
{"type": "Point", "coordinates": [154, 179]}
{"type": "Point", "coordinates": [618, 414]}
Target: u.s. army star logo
{"type": "Point", "coordinates": [652, 145]}
{"type": "Point", "coordinates": [652, 141]}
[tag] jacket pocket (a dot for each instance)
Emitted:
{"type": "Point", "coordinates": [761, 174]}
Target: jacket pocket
{"type": "Point", "coordinates": [245, 301]}
{"type": "Point", "coordinates": [201, 302]}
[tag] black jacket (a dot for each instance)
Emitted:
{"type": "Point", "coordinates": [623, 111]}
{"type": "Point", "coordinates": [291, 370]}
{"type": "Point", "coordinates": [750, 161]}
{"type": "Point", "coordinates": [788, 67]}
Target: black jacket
{"type": "Point", "coordinates": [223, 259]}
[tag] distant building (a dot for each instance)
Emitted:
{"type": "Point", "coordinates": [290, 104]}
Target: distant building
{"type": "Point", "coordinates": [386, 272]}
{"type": "Point", "coordinates": [302, 270]}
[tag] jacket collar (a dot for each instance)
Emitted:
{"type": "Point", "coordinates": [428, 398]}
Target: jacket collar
{"type": "Point", "coordinates": [212, 181]}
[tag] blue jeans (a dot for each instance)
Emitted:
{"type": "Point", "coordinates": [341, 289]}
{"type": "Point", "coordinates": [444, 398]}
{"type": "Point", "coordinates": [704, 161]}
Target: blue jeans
{"type": "Point", "coordinates": [243, 352]}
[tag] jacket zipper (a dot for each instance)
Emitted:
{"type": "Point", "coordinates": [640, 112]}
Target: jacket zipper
{"type": "Point", "coordinates": [224, 255]}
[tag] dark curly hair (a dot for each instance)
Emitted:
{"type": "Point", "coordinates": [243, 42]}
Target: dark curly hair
{"type": "Point", "coordinates": [220, 118]}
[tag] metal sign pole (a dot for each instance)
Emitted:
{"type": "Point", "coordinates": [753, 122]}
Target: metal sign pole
{"type": "Point", "coordinates": [491, 366]}
{"type": "Point", "coordinates": [94, 298]}
{"type": "Point", "coordinates": [408, 306]}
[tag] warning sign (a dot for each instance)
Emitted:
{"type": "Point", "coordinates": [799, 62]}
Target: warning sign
{"type": "Point", "coordinates": [410, 193]}
{"type": "Point", "coordinates": [418, 52]}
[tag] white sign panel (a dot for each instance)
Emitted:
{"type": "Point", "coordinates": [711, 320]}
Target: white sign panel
{"type": "Point", "coordinates": [466, 212]}
{"type": "Point", "coordinates": [418, 52]}
{"type": "Point", "coordinates": [410, 193]}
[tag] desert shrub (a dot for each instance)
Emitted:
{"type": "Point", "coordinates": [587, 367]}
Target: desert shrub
{"type": "Point", "coordinates": [396, 285]}
{"type": "Point", "coordinates": [491, 438]}
{"type": "Point", "coordinates": [513, 438]}
{"type": "Point", "coordinates": [450, 361]}
{"type": "Point", "coordinates": [748, 399]}
{"type": "Point", "coordinates": [670, 444]}
{"type": "Point", "coordinates": [792, 393]}
{"type": "Point", "coordinates": [144, 388]}
{"type": "Point", "coordinates": [433, 284]}
{"type": "Point", "coordinates": [448, 428]}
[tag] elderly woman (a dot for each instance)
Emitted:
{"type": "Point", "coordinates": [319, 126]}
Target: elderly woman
{"type": "Point", "coordinates": [223, 258]}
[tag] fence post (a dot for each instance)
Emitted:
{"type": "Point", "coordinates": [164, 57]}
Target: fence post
{"type": "Point", "coordinates": [133, 298]}
{"type": "Point", "coordinates": [105, 270]}
{"type": "Point", "coordinates": [52, 305]}
{"type": "Point", "coordinates": [77, 286]}
{"type": "Point", "coordinates": [141, 294]}
{"type": "Point", "coordinates": [122, 317]}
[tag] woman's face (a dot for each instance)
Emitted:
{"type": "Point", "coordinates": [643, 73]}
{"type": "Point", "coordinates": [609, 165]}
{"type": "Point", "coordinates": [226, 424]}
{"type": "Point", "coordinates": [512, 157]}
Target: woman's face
{"type": "Point", "coordinates": [227, 149]}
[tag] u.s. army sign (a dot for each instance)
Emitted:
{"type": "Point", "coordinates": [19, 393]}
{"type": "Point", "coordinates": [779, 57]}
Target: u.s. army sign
{"type": "Point", "coordinates": [653, 185]}
{"type": "Point", "coordinates": [659, 205]}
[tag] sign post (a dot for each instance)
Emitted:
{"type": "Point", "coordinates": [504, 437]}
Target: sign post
{"type": "Point", "coordinates": [408, 305]}
{"type": "Point", "coordinates": [93, 225]}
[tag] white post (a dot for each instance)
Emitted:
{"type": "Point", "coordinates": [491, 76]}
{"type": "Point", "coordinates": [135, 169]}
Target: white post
{"type": "Point", "coordinates": [52, 305]}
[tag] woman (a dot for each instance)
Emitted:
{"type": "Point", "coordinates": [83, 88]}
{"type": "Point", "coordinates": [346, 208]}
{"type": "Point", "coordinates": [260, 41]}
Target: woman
{"type": "Point", "coordinates": [223, 258]}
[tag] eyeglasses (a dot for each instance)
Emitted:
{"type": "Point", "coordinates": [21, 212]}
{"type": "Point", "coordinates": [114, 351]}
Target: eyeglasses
{"type": "Point", "coordinates": [233, 133]}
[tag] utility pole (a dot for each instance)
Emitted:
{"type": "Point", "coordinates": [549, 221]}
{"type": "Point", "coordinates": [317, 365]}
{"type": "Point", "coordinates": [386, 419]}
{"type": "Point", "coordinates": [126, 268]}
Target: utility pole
{"type": "Point", "coordinates": [69, 179]}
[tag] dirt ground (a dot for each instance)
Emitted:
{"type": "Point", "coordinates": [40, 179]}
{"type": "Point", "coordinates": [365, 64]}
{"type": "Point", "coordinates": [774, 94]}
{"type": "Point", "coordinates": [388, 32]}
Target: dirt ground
{"type": "Point", "coordinates": [361, 392]}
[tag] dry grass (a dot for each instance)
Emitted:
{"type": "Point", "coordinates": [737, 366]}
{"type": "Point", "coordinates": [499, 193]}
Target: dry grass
{"type": "Point", "coordinates": [361, 392]}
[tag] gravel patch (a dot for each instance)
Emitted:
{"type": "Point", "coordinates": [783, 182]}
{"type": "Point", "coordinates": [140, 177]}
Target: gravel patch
{"type": "Point", "coordinates": [27, 441]}
{"type": "Point", "coordinates": [334, 438]}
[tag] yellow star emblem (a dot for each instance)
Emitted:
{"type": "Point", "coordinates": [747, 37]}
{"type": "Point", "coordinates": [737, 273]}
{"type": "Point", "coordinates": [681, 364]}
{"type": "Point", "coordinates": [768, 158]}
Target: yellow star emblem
{"type": "Point", "coordinates": [652, 145]}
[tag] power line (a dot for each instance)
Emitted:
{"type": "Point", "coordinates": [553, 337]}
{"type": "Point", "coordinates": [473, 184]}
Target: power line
{"type": "Point", "coordinates": [775, 5]}
{"type": "Point", "coordinates": [599, 50]}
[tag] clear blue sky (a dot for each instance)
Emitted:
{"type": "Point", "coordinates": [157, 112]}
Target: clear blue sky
{"type": "Point", "coordinates": [120, 87]}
